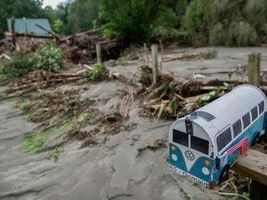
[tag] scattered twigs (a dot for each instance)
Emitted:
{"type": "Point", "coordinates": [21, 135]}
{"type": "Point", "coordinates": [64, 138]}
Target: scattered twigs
{"type": "Point", "coordinates": [170, 98]}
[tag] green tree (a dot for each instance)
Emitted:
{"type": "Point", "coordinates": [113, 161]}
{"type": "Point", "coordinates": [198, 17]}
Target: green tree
{"type": "Point", "coordinates": [226, 22]}
{"type": "Point", "coordinates": [130, 20]}
{"type": "Point", "coordinates": [83, 15]}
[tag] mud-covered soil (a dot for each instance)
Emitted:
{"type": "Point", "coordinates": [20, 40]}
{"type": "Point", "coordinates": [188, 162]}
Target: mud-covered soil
{"type": "Point", "coordinates": [130, 164]}
{"type": "Point", "coordinates": [227, 60]}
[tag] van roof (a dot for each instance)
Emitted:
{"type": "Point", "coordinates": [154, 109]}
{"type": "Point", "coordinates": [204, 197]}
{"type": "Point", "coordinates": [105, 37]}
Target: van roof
{"type": "Point", "coordinates": [226, 110]}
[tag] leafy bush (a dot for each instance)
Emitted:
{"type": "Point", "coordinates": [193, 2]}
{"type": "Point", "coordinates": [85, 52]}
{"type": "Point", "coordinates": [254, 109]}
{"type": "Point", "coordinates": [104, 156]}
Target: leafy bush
{"type": "Point", "coordinates": [19, 65]}
{"type": "Point", "coordinates": [49, 58]}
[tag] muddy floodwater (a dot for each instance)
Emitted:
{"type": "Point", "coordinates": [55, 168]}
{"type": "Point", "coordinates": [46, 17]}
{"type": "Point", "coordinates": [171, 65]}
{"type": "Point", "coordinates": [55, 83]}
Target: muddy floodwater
{"type": "Point", "coordinates": [114, 169]}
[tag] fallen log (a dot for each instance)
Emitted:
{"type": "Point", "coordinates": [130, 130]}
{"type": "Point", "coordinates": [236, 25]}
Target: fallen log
{"type": "Point", "coordinates": [253, 165]}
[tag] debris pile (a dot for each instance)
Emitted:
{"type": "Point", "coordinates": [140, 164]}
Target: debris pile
{"type": "Point", "coordinates": [78, 48]}
{"type": "Point", "coordinates": [170, 98]}
{"type": "Point", "coordinates": [81, 47]}
{"type": "Point", "coordinates": [40, 80]}
{"type": "Point", "coordinates": [103, 125]}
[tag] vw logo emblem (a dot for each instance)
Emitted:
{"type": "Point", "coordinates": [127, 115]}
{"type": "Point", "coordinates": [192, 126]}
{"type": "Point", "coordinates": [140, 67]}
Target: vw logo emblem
{"type": "Point", "coordinates": [189, 155]}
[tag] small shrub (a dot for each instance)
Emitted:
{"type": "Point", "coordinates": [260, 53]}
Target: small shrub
{"type": "Point", "coordinates": [99, 72]}
{"type": "Point", "coordinates": [49, 58]}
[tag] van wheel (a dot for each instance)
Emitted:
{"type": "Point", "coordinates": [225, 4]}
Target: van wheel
{"type": "Point", "coordinates": [225, 174]}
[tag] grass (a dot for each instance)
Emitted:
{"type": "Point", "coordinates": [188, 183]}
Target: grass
{"type": "Point", "coordinates": [54, 154]}
{"type": "Point", "coordinates": [34, 142]}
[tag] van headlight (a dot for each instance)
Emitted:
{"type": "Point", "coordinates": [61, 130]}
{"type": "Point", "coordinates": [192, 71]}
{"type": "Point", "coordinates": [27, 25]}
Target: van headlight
{"type": "Point", "coordinates": [174, 157]}
{"type": "Point", "coordinates": [205, 171]}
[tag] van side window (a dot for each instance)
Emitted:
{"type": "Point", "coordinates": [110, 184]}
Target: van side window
{"type": "Point", "coordinates": [254, 113]}
{"type": "Point", "coordinates": [246, 120]}
{"type": "Point", "coordinates": [237, 127]}
{"type": "Point", "coordinates": [223, 139]}
{"type": "Point", "coordinates": [261, 107]}
{"type": "Point", "coordinates": [200, 144]}
{"type": "Point", "coordinates": [180, 137]}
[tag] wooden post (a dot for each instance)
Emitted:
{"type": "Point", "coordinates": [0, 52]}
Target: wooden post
{"type": "Point", "coordinates": [155, 63]}
{"type": "Point", "coordinates": [254, 67]}
{"type": "Point", "coordinates": [253, 165]}
{"type": "Point", "coordinates": [98, 53]}
{"type": "Point", "coordinates": [13, 32]}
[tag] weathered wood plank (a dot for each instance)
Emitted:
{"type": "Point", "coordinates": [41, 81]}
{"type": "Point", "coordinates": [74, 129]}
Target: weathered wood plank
{"type": "Point", "coordinates": [254, 67]}
{"type": "Point", "coordinates": [253, 165]}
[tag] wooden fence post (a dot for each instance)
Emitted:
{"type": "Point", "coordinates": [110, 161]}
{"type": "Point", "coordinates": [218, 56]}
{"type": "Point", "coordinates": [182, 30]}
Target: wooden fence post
{"type": "Point", "coordinates": [155, 63]}
{"type": "Point", "coordinates": [254, 68]}
{"type": "Point", "coordinates": [13, 31]}
{"type": "Point", "coordinates": [98, 53]}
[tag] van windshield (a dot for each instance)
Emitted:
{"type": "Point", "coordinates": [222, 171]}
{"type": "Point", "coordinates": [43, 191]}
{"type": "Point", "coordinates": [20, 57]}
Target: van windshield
{"type": "Point", "coordinates": [180, 137]}
{"type": "Point", "coordinates": [200, 144]}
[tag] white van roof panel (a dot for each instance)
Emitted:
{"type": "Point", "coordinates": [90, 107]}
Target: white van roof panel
{"type": "Point", "coordinates": [227, 109]}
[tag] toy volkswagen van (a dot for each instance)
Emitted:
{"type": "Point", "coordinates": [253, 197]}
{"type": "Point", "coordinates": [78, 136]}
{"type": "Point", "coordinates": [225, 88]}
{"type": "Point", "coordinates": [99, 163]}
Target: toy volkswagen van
{"type": "Point", "coordinates": [206, 143]}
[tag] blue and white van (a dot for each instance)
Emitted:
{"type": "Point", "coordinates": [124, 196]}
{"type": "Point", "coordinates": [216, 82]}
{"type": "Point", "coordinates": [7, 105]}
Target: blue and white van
{"type": "Point", "coordinates": [206, 143]}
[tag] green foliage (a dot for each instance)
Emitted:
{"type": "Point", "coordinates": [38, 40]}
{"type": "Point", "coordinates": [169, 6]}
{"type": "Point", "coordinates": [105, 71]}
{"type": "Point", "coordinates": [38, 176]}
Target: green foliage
{"type": "Point", "coordinates": [83, 15]}
{"type": "Point", "coordinates": [49, 58]}
{"type": "Point", "coordinates": [19, 65]}
{"type": "Point", "coordinates": [98, 72]}
{"type": "Point", "coordinates": [34, 142]}
{"type": "Point", "coordinates": [54, 154]}
{"type": "Point", "coordinates": [166, 24]}
{"type": "Point", "coordinates": [58, 26]}
{"type": "Point", "coordinates": [226, 22]}
{"type": "Point", "coordinates": [190, 22]}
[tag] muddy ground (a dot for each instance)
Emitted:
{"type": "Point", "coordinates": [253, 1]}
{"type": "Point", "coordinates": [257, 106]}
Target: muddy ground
{"type": "Point", "coordinates": [115, 168]}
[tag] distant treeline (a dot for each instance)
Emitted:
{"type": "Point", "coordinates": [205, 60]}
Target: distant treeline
{"type": "Point", "coordinates": [189, 22]}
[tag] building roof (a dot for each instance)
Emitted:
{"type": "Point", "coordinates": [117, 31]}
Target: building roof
{"type": "Point", "coordinates": [28, 25]}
